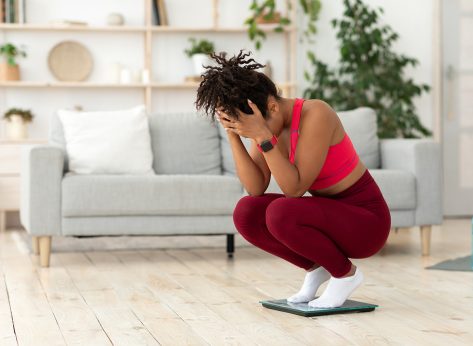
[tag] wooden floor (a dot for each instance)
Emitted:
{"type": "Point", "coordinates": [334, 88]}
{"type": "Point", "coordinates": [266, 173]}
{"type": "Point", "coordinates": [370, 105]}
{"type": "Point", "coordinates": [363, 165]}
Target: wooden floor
{"type": "Point", "coordinates": [198, 297]}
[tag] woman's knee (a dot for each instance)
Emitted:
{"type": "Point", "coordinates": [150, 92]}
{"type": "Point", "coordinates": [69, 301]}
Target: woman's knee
{"type": "Point", "coordinates": [278, 217]}
{"type": "Point", "coordinates": [246, 212]}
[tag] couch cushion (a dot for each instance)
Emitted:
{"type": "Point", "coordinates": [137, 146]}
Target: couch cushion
{"type": "Point", "coordinates": [361, 126]}
{"type": "Point", "coordinates": [184, 143]}
{"type": "Point", "coordinates": [398, 188]}
{"type": "Point", "coordinates": [108, 142]}
{"type": "Point", "coordinates": [89, 195]}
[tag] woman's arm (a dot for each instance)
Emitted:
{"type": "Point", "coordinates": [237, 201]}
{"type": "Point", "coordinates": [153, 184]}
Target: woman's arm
{"type": "Point", "coordinates": [251, 168]}
{"type": "Point", "coordinates": [311, 150]}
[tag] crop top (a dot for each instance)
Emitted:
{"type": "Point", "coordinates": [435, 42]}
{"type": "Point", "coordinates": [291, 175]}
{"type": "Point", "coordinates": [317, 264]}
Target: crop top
{"type": "Point", "coordinates": [341, 158]}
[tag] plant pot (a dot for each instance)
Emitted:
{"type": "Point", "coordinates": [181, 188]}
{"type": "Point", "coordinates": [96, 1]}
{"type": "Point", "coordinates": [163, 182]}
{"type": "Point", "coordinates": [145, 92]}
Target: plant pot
{"type": "Point", "coordinates": [276, 18]}
{"type": "Point", "coordinates": [200, 60]}
{"type": "Point", "coordinates": [16, 128]}
{"type": "Point", "coordinates": [8, 72]}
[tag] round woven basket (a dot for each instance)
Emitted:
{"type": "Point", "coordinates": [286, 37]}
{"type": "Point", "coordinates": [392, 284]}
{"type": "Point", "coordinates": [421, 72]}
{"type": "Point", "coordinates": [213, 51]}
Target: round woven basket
{"type": "Point", "coordinates": [70, 61]}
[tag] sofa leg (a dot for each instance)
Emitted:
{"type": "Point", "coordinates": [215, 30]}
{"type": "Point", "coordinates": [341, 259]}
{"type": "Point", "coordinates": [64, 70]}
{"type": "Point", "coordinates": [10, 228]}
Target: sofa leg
{"type": "Point", "coordinates": [44, 250]}
{"type": "Point", "coordinates": [35, 244]}
{"type": "Point", "coordinates": [425, 234]}
{"type": "Point", "coordinates": [230, 245]}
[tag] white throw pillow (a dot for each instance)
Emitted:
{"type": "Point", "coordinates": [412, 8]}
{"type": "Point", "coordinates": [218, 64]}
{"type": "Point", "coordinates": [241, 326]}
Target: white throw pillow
{"type": "Point", "coordinates": [108, 142]}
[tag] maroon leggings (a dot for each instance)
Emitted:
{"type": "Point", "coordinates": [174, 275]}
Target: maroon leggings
{"type": "Point", "coordinates": [310, 230]}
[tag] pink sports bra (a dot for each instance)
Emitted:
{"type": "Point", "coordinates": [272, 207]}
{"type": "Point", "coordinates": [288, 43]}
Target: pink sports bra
{"type": "Point", "coordinates": [341, 158]}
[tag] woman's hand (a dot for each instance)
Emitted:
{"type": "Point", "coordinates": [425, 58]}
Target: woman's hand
{"type": "Point", "coordinates": [249, 125]}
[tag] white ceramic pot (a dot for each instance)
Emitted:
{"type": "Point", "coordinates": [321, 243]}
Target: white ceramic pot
{"type": "Point", "coordinates": [16, 128]}
{"type": "Point", "coordinates": [200, 60]}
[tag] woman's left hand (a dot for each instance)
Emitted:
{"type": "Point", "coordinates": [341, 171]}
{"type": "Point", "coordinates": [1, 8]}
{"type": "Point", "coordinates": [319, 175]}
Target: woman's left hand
{"type": "Point", "coordinates": [249, 125]}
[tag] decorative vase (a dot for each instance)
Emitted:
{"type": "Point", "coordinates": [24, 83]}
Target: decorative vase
{"type": "Point", "coordinates": [115, 19]}
{"type": "Point", "coordinates": [276, 18]}
{"type": "Point", "coordinates": [200, 60]}
{"type": "Point", "coordinates": [8, 72]}
{"type": "Point", "coordinates": [16, 128]}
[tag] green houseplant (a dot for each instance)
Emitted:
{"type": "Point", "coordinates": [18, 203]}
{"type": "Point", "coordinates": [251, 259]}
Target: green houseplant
{"type": "Point", "coordinates": [370, 73]}
{"type": "Point", "coordinates": [9, 69]}
{"type": "Point", "coordinates": [199, 52]}
{"type": "Point", "coordinates": [17, 120]}
{"type": "Point", "coordinates": [265, 11]}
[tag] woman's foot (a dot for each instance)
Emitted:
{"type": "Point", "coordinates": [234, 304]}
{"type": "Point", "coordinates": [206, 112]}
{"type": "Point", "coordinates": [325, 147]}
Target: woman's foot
{"type": "Point", "coordinates": [312, 281]}
{"type": "Point", "coordinates": [338, 290]}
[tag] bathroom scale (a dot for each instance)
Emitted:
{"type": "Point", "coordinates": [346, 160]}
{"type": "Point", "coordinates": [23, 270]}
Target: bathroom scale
{"type": "Point", "coordinates": [303, 309]}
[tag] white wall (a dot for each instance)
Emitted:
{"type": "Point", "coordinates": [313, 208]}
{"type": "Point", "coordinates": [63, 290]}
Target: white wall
{"type": "Point", "coordinates": [411, 19]}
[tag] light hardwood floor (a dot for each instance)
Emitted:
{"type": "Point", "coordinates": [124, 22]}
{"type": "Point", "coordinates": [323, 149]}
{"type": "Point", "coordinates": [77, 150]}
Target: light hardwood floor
{"type": "Point", "coordinates": [197, 296]}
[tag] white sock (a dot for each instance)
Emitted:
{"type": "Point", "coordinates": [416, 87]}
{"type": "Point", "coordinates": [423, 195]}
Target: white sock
{"type": "Point", "coordinates": [338, 290]}
{"type": "Point", "coordinates": [312, 281]}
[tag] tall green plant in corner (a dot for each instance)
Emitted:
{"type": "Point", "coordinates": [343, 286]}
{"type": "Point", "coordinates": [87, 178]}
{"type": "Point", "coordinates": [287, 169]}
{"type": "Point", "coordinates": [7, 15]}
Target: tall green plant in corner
{"type": "Point", "coordinates": [369, 73]}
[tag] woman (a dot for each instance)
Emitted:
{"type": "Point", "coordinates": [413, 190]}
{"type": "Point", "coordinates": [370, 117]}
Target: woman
{"type": "Point", "coordinates": [303, 145]}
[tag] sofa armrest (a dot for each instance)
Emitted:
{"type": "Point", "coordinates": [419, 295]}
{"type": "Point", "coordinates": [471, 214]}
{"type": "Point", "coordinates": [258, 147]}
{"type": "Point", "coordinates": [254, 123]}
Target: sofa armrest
{"type": "Point", "coordinates": [42, 169]}
{"type": "Point", "coordinates": [422, 157]}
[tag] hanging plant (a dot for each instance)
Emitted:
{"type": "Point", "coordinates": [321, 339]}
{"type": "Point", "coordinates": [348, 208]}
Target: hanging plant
{"type": "Point", "coordinates": [265, 12]}
{"type": "Point", "coordinates": [369, 73]}
{"type": "Point", "coordinates": [262, 12]}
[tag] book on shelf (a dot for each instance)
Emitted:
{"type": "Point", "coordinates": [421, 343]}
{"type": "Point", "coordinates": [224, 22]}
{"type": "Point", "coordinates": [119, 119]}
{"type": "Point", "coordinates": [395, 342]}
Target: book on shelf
{"type": "Point", "coordinates": [12, 11]}
{"type": "Point", "coordinates": [162, 13]}
{"type": "Point", "coordinates": [159, 13]}
{"type": "Point", "coordinates": [155, 12]}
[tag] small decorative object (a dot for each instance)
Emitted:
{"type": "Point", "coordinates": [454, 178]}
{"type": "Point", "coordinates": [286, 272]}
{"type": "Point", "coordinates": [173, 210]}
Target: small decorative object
{"type": "Point", "coordinates": [268, 69]}
{"type": "Point", "coordinates": [9, 69]}
{"type": "Point", "coordinates": [17, 120]}
{"type": "Point", "coordinates": [125, 75]}
{"type": "Point", "coordinates": [67, 22]}
{"type": "Point", "coordinates": [145, 77]}
{"type": "Point", "coordinates": [70, 61]}
{"type": "Point", "coordinates": [113, 72]}
{"type": "Point", "coordinates": [115, 19]}
{"type": "Point", "coordinates": [199, 52]}
{"type": "Point", "coordinates": [136, 75]}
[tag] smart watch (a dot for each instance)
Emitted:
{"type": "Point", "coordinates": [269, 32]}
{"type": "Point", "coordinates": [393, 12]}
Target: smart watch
{"type": "Point", "coordinates": [267, 144]}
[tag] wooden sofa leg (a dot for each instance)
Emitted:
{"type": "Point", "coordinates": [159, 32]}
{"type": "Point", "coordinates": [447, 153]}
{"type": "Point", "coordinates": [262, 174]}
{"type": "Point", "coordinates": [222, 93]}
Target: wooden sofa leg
{"type": "Point", "coordinates": [35, 244]}
{"type": "Point", "coordinates": [425, 234]}
{"type": "Point", "coordinates": [44, 250]}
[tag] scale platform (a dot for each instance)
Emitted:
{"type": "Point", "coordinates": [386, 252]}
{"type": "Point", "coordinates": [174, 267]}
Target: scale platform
{"type": "Point", "coordinates": [303, 309]}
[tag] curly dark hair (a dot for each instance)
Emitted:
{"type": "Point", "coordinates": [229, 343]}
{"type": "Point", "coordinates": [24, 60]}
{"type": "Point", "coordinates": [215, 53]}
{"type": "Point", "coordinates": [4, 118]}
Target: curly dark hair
{"type": "Point", "coordinates": [231, 83]}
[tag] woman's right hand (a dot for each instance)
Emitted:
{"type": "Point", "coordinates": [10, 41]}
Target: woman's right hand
{"type": "Point", "coordinates": [223, 118]}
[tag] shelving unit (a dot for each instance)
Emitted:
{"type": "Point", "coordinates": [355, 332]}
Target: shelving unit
{"type": "Point", "coordinates": [148, 30]}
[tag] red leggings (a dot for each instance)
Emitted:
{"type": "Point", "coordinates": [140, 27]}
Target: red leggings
{"type": "Point", "coordinates": [310, 230]}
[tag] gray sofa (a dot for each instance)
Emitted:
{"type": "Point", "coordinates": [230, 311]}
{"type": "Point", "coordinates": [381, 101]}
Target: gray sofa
{"type": "Point", "coordinates": [195, 187]}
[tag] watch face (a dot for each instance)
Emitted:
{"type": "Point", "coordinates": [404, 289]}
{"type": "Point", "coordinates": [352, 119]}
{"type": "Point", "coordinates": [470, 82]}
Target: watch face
{"type": "Point", "coordinates": [266, 145]}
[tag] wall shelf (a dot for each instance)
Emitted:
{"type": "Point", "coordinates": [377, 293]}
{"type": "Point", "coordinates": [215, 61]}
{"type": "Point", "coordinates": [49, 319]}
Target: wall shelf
{"type": "Point", "coordinates": [161, 85]}
{"type": "Point", "coordinates": [47, 27]}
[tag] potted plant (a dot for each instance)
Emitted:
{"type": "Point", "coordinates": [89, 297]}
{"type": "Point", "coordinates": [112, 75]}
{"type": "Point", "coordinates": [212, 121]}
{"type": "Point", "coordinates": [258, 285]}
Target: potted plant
{"type": "Point", "coordinates": [265, 12]}
{"type": "Point", "coordinates": [370, 72]}
{"type": "Point", "coordinates": [17, 120]}
{"type": "Point", "coordinates": [199, 52]}
{"type": "Point", "coordinates": [9, 69]}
